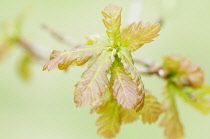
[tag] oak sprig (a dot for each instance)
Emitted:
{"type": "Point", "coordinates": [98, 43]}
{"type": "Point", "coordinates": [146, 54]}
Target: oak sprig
{"type": "Point", "coordinates": [185, 79]}
{"type": "Point", "coordinates": [113, 57]}
{"type": "Point", "coordinates": [119, 98]}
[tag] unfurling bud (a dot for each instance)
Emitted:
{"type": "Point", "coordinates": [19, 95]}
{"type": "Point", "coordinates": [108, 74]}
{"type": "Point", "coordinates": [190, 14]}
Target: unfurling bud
{"type": "Point", "coordinates": [182, 72]}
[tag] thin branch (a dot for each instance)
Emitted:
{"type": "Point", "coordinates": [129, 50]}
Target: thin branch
{"type": "Point", "coordinates": [146, 62]}
{"type": "Point", "coordinates": [151, 68]}
{"type": "Point", "coordinates": [147, 71]}
{"type": "Point", "coordinates": [60, 37]}
{"type": "Point", "coordinates": [35, 50]}
{"type": "Point", "coordinates": [38, 51]}
{"type": "Point", "coordinates": [153, 71]}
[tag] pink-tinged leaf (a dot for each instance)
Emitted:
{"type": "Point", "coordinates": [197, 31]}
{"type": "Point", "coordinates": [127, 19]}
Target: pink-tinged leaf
{"type": "Point", "coordinates": [127, 60]}
{"type": "Point", "coordinates": [112, 21]}
{"type": "Point", "coordinates": [136, 35]}
{"type": "Point", "coordinates": [94, 81]}
{"type": "Point", "coordinates": [78, 56]}
{"type": "Point", "coordinates": [3, 50]}
{"type": "Point", "coordinates": [103, 103]}
{"type": "Point", "coordinates": [181, 71]}
{"type": "Point", "coordinates": [124, 90]}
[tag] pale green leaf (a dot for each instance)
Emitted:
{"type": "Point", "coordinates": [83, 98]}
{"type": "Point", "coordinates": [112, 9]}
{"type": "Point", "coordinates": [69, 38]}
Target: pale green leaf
{"type": "Point", "coordinates": [112, 116]}
{"type": "Point", "coordinates": [198, 98]}
{"type": "Point", "coordinates": [24, 69]}
{"type": "Point", "coordinates": [171, 123]}
{"type": "Point", "coordinates": [151, 110]}
{"type": "Point", "coordinates": [109, 122]}
{"type": "Point", "coordinates": [128, 116]}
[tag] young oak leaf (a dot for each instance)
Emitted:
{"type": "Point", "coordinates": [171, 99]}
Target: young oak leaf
{"type": "Point", "coordinates": [128, 63]}
{"type": "Point", "coordinates": [112, 113]}
{"type": "Point", "coordinates": [68, 57]}
{"type": "Point", "coordinates": [151, 110]}
{"type": "Point", "coordinates": [24, 67]}
{"type": "Point", "coordinates": [124, 90]}
{"type": "Point", "coordinates": [181, 71]}
{"type": "Point", "coordinates": [3, 50]}
{"type": "Point", "coordinates": [94, 81]}
{"type": "Point", "coordinates": [112, 21]}
{"type": "Point", "coordinates": [136, 35]}
{"type": "Point", "coordinates": [101, 105]}
{"type": "Point", "coordinates": [127, 60]}
{"type": "Point", "coordinates": [128, 116]}
{"type": "Point", "coordinates": [171, 122]}
{"type": "Point", "coordinates": [109, 122]}
{"type": "Point", "coordinates": [172, 125]}
{"type": "Point", "coordinates": [199, 98]}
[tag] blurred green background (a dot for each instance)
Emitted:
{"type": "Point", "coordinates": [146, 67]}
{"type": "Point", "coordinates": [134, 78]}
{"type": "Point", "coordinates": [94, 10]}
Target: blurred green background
{"type": "Point", "coordinates": [43, 108]}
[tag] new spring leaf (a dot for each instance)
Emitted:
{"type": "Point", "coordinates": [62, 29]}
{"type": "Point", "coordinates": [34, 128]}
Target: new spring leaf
{"type": "Point", "coordinates": [94, 81]}
{"type": "Point", "coordinates": [136, 35]}
{"type": "Point", "coordinates": [124, 90]}
{"type": "Point", "coordinates": [112, 21]}
{"type": "Point", "coordinates": [68, 57]}
{"type": "Point", "coordinates": [151, 110]}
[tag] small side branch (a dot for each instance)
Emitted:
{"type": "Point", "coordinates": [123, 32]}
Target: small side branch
{"type": "Point", "coordinates": [60, 37]}
{"type": "Point", "coordinates": [151, 68]}
{"type": "Point", "coordinates": [35, 50]}
{"type": "Point", "coordinates": [145, 62]}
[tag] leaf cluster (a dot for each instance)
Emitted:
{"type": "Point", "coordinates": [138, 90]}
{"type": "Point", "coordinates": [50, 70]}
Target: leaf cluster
{"type": "Point", "coordinates": [11, 35]}
{"type": "Point", "coordinates": [112, 116]}
{"type": "Point", "coordinates": [187, 81]}
{"type": "Point", "coordinates": [180, 70]}
{"type": "Point", "coordinates": [113, 58]}
{"type": "Point", "coordinates": [111, 84]}
{"type": "Point", "coordinates": [126, 92]}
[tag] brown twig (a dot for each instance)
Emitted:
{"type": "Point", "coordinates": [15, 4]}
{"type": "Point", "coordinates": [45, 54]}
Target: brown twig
{"type": "Point", "coordinates": [35, 50]}
{"type": "Point", "coordinates": [38, 51]}
{"type": "Point", "coordinates": [145, 62]}
{"type": "Point", "coordinates": [62, 38]}
{"type": "Point", "coordinates": [151, 68]}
